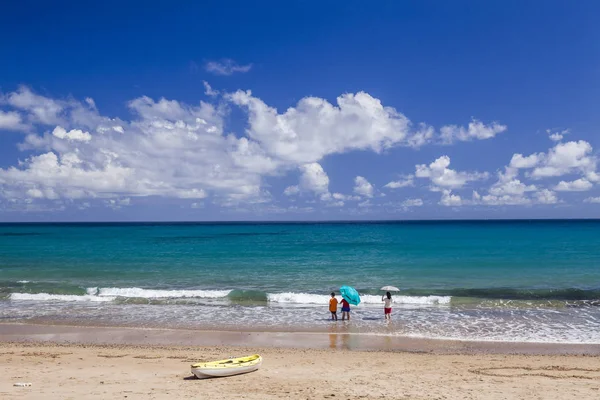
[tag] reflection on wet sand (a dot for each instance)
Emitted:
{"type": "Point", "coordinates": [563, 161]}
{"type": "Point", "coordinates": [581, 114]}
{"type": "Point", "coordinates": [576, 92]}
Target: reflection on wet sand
{"type": "Point", "coordinates": [340, 338]}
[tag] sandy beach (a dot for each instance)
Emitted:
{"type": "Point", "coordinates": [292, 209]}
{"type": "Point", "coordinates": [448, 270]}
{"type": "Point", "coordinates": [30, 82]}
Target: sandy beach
{"type": "Point", "coordinates": [64, 362]}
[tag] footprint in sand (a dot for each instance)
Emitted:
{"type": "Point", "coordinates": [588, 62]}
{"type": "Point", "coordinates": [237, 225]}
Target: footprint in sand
{"type": "Point", "coordinates": [553, 372]}
{"type": "Point", "coordinates": [148, 357]}
{"type": "Point", "coordinates": [112, 355]}
{"type": "Point", "coordinates": [45, 355]}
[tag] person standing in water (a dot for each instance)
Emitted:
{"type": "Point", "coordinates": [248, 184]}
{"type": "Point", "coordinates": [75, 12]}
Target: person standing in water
{"type": "Point", "coordinates": [387, 305]}
{"type": "Point", "coordinates": [345, 309]}
{"type": "Point", "coordinates": [333, 307]}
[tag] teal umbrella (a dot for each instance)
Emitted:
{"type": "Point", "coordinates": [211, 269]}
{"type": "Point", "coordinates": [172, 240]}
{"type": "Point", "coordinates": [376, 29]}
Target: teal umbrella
{"type": "Point", "coordinates": [350, 295]}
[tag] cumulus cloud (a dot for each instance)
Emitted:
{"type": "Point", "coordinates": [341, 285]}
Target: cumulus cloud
{"type": "Point", "coordinates": [562, 159]}
{"type": "Point", "coordinates": [509, 185]}
{"type": "Point", "coordinates": [72, 135]}
{"type": "Point", "coordinates": [169, 149]}
{"type": "Point", "coordinates": [116, 204]}
{"type": "Point", "coordinates": [344, 197]}
{"type": "Point", "coordinates": [450, 200]}
{"type": "Point", "coordinates": [172, 149]}
{"type": "Point", "coordinates": [40, 109]}
{"type": "Point", "coordinates": [592, 200]}
{"type": "Point", "coordinates": [315, 127]}
{"type": "Point", "coordinates": [226, 67]}
{"type": "Point", "coordinates": [556, 136]}
{"type": "Point", "coordinates": [443, 177]}
{"type": "Point", "coordinates": [501, 200]}
{"type": "Point", "coordinates": [291, 190]}
{"type": "Point", "coordinates": [475, 130]}
{"type": "Point", "coordinates": [519, 161]}
{"type": "Point", "coordinates": [579, 185]}
{"type": "Point", "coordinates": [408, 181]}
{"type": "Point", "coordinates": [363, 187]}
{"type": "Point", "coordinates": [208, 90]}
{"type": "Point", "coordinates": [314, 178]}
{"type": "Point", "coordinates": [412, 203]}
{"type": "Point", "coordinates": [12, 121]}
{"type": "Point", "coordinates": [546, 196]}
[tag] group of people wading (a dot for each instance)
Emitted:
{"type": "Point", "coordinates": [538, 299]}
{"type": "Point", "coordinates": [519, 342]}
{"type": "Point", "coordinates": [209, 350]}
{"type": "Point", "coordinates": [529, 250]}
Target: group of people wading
{"type": "Point", "coordinates": [333, 305]}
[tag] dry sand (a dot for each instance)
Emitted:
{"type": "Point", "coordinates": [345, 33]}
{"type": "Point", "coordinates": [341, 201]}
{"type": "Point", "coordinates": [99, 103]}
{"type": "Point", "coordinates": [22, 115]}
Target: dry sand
{"type": "Point", "coordinates": [119, 371]}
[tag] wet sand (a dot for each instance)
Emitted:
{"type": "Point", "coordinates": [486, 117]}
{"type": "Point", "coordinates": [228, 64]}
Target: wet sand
{"type": "Point", "coordinates": [63, 362]}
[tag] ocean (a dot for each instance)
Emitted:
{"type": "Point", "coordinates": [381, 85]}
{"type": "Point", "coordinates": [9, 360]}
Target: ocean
{"type": "Point", "coordinates": [518, 281]}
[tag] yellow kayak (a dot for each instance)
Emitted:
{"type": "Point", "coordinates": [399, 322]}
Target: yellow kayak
{"type": "Point", "coordinates": [232, 366]}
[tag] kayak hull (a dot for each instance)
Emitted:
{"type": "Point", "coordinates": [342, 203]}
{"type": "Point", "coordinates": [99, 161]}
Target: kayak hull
{"type": "Point", "coordinates": [229, 367]}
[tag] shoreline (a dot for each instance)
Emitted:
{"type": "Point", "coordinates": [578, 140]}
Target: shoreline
{"type": "Point", "coordinates": [335, 339]}
{"type": "Point", "coordinates": [70, 362]}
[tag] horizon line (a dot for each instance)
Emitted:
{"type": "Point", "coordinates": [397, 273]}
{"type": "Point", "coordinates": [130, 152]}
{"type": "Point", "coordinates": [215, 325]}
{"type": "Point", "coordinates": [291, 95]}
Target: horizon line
{"type": "Point", "coordinates": [340, 221]}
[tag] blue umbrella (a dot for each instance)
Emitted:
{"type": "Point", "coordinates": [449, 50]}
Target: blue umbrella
{"type": "Point", "coordinates": [350, 294]}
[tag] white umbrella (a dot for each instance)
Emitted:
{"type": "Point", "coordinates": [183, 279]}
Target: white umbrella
{"type": "Point", "coordinates": [390, 289]}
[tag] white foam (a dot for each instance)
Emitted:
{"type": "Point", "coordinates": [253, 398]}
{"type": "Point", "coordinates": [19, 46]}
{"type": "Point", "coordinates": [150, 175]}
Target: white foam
{"type": "Point", "coordinates": [307, 298]}
{"type": "Point", "coordinates": [155, 294]}
{"type": "Point", "coordinates": [298, 298]}
{"type": "Point", "coordinates": [58, 297]}
{"type": "Point", "coordinates": [422, 300]}
{"type": "Point", "coordinates": [23, 281]}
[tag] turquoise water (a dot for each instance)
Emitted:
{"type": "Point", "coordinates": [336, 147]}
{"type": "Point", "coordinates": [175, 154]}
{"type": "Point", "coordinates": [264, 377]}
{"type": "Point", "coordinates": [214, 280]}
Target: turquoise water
{"type": "Point", "coordinates": [541, 276]}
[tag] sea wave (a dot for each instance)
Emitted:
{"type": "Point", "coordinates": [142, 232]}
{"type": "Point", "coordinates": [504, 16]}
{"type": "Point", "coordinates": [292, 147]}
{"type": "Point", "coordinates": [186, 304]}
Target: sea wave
{"type": "Point", "coordinates": [155, 293]}
{"type": "Point", "coordinates": [308, 298]}
{"type": "Point", "coordinates": [237, 296]}
{"type": "Point", "coordinates": [58, 297]}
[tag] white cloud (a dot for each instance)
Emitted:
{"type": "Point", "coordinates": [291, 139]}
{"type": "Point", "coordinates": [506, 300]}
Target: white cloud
{"type": "Point", "coordinates": [509, 185]}
{"type": "Point", "coordinates": [425, 134]}
{"type": "Point", "coordinates": [172, 149]}
{"type": "Point", "coordinates": [291, 190]}
{"type": "Point", "coordinates": [519, 161]}
{"type": "Point", "coordinates": [476, 130]}
{"type": "Point", "coordinates": [169, 149]}
{"type": "Point", "coordinates": [208, 90]}
{"type": "Point", "coordinates": [408, 181]}
{"type": "Point", "coordinates": [412, 203]}
{"type": "Point", "coordinates": [579, 185]}
{"type": "Point", "coordinates": [314, 178]}
{"type": "Point", "coordinates": [557, 136]}
{"type": "Point", "coordinates": [546, 196]}
{"type": "Point", "coordinates": [592, 200]}
{"type": "Point", "coordinates": [362, 187]}
{"type": "Point", "coordinates": [226, 67]}
{"type": "Point", "coordinates": [116, 204]}
{"type": "Point", "coordinates": [562, 159]}
{"type": "Point", "coordinates": [12, 121]}
{"type": "Point", "coordinates": [501, 200]}
{"type": "Point", "coordinates": [40, 109]}
{"type": "Point", "coordinates": [566, 157]}
{"type": "Point", "coordinates": [450, 200]}
{"type": "Point", "coordinates": [316, 128]}
{"type": "Point", "coordinates": [443, 177]}
{"type": "Point", "coordinates": [365, 204]}
{"type": "Point", "coordinates": [345, 197]}
{"type": "Point", "coordinates": [73, 134]}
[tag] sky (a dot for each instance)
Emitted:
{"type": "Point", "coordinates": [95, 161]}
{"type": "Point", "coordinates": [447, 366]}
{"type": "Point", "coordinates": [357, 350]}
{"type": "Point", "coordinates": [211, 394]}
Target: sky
{"type": "Point", "coordinates": [299, 110]}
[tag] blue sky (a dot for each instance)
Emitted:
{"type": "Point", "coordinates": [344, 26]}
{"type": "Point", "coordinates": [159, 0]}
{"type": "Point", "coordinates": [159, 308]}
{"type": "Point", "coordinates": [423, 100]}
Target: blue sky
{"type": "Point", "coordinates": [299, 110]}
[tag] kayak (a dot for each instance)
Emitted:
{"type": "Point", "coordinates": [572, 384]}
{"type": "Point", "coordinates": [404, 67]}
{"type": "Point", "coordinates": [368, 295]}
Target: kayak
{"type": "Point", "coordinates": [232, 366]}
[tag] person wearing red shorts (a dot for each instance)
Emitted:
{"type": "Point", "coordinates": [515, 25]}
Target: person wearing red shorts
{"type": "Point", "coordinates": [387, 305]}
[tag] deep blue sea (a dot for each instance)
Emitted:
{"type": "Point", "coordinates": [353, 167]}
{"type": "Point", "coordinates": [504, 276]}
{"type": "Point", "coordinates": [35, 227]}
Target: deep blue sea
{"type": "Point", "coordinates": [533, 281]}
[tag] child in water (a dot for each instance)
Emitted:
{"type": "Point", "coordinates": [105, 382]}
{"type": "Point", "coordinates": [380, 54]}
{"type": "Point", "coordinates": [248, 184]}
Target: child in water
{"type": "Point", "coordinates": [345, 309]}
{"type": "Point", "coordinates": [387, 305]}
{"type": "Point", "coordinates": [333, 307]}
